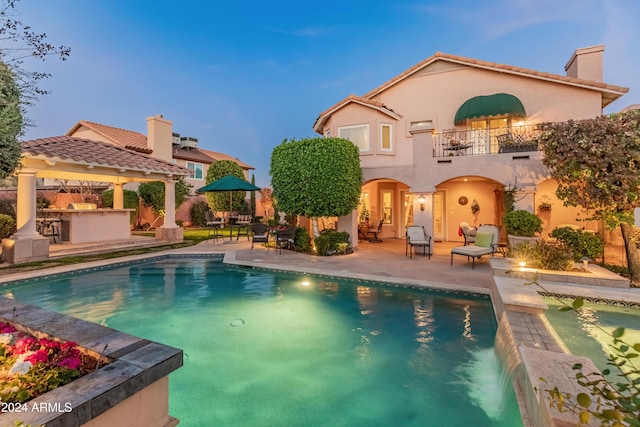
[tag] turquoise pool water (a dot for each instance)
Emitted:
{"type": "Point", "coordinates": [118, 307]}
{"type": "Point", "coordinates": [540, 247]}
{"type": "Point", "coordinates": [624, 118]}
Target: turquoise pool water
{"type": "Point", "coordinates": [273, 349]}
{"type": "Point", "coordinates": [580, 333]}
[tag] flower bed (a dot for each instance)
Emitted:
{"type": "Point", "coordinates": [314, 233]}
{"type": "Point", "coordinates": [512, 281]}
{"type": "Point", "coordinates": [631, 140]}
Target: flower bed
{"type": "Point", "coordinates": [31, 366]}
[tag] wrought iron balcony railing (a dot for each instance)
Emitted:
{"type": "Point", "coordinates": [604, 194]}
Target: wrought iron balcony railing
{"type": "Point", "coordinates": [454, 142]}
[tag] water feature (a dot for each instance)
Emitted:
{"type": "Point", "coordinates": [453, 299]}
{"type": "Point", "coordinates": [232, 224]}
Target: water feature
{"type": "Point", "coordinates": [269, 348]}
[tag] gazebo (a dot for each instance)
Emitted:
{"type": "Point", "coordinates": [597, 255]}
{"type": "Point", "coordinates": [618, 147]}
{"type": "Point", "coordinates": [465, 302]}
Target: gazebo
{"type": "Point", "coordinates": [66, 157]}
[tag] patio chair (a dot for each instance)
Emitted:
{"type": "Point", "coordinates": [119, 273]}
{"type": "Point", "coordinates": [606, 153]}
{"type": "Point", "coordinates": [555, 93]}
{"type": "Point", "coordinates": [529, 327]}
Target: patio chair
{"type": "Point", "coordinates": [48, 226]}
{"type": "Point", "coordinates": [468, 232]}
{"type": "Point", "coordinates": [259, 234]}
{"type": "Point", "coordinates": [243, 223]}
{"type": "Point", "coordinates": [486, 243]}
{"type": "Point", "coordinates": [416, 236]}
{"type": "Point", "coordinates": [286, 238]}
{"type": "Point", "coordinates": [214, 224]}
{"type": "Point", "coordinates": [374, 233]}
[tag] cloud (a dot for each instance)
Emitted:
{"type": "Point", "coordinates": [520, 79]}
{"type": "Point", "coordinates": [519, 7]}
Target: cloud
{"type": "Point", "coordinates": [309, 32]}
{"type": "Point", "coordinates": [497, 18]}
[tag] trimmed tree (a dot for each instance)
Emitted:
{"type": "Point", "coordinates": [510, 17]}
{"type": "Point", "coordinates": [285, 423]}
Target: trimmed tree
{"type": "Point", "coordinates": [596, 163]}
{"type": "Point", "coordinates": [316, 177]}
{"type": "Point", "coordinates": [219, 200]}
{"type": "Point", "coordinates": [152, 194]}
{"type": "Point", "coordinates": [11, 122]}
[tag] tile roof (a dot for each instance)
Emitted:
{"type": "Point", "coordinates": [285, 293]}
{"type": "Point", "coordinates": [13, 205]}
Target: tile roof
{"type": "Point", "coordinates": [353, 99]}
{"type": "Point", "coordinates": [610, 92]}
{"type": "Point", "coordinates": [86, 151]}
{"type": "Point", "coordinates": [191, 154]}
{"type": "Point", "coordinates": [221, 156]}
{"type": "Point", "coordinates": [497, 67]}
{"type": "Point", "coordinates": [122, 137]}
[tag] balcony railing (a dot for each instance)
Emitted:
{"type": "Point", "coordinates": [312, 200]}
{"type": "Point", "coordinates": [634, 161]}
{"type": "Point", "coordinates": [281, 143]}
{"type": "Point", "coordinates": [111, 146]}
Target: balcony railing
{"type": "Point", "coordinates": [454, 142]}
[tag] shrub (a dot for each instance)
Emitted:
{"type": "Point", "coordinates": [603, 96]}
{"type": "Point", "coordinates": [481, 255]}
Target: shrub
{"type": "Point", "coordinates": [543, 255]}
{"type": "Point", "coordinates": [322, 243]}
{"type": "Point", "coordinates": [7, 207]}
{"type": "Point", "coordinates": [7, 226]}
{"type": "Point", "coordinates": [130, 201]}
{"type": "Point", "coordinates": [301, 241]}
{"type": "Point", "coordinates": [199, 213]}
{"type": "Point", "coordinates": [522, 223]}
{"type": "Point", "coordinates": [581, 243]}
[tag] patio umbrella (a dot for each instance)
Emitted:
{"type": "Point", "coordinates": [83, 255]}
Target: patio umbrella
{"type": "Point", "coordinates": [229, 183]}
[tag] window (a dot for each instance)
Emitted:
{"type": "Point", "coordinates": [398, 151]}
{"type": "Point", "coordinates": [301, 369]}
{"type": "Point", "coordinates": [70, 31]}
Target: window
{"type": "Point", "coordinates": [358, 134]}
{"type": "Point", "coordinates": [387, 204]}
{"type": "Point", "coordinates": [386, 138]}
{"type": "Point", "coordinates": [196, 170]}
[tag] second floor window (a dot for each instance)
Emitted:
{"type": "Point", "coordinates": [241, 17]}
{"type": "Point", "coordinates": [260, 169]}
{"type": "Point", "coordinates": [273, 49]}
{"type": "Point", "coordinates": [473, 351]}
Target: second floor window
{"type": "Point", "coordinates": [358, 134]}
{"type": "Point", "coordinates": [386, 138]}
{"type": "Point", "coordinates": [196, 170]}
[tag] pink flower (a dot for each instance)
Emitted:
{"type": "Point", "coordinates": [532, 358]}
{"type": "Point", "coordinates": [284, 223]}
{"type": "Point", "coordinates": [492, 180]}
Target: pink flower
{"type": "Point", "coordinates": [24, 345]}
{"type": "Point", "coordinates": [6, 328]}
{"type": "Point", "coordinates": [40, 356]}
{"type": "Point", "coordinates": [70, 362]}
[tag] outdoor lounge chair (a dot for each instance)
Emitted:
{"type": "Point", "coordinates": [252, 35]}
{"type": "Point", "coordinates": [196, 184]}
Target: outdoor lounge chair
{"type": "Point", "coordinates": [487, 243]}
{"type": "Point", "coordinates": [416, 236]}
{"type": "Point", "coordinates": [374, 233]}
{"type": "Point", "coordinates": [468, 232]}
{"type": "Point", "coordinates": [260, 234]}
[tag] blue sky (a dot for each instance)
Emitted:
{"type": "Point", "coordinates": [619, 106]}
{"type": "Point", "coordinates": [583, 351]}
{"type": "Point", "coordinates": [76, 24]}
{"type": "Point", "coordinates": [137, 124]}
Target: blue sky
{"type": "Point", "coordinates": [242, 76]}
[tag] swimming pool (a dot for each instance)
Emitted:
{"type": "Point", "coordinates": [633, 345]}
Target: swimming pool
{"type": "Point", "coordinates": [272, 348]}
{"type": "Point", "coordinates": [581, 335]}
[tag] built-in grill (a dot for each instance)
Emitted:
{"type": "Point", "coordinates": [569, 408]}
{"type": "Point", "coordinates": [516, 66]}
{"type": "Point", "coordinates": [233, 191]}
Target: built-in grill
{"type": "Point", "coordinates": [82, 206]}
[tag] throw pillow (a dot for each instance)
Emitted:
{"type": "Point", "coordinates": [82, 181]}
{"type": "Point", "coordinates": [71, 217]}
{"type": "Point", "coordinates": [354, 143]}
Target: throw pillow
{"type": "Point", "coordinates": [484, 239]}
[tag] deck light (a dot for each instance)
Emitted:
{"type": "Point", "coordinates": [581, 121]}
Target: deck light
{"type": "Point", "coordinates": [422, 202]}
{"type": "Point", "coordinates": [585, 263]}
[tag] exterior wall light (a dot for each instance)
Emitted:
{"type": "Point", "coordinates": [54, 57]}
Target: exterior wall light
{"type": "Point", "coordinates": [422, 202]}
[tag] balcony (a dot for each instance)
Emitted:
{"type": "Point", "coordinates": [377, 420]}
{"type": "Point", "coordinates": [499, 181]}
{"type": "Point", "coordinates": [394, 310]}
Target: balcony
{"type": "Point", "coordinates": [454, 142]}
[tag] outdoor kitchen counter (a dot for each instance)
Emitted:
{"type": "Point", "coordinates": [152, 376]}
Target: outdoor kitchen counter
{"type": "Point", "coordinates": [92, 225]}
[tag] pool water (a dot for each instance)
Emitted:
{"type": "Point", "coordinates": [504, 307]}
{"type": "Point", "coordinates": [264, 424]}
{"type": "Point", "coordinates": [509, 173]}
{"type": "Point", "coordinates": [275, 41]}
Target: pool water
{"type": "Point", "coordinates": [585, 333]}
{"type": "Point", "coordinates": [267, 348]}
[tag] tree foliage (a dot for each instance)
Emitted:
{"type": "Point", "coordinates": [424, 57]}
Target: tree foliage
{"type": "Point", "coordinates": [316, 177]}
{"type": "Point", "coordinates": [11, 122]}
{"type": "Point", "coordinates": [596, 163]}
{"type": "Point", "coordinates": [21, 42]}
{"type": "Point", "coordinates": [219, 201]}
{"type": "Point", "coordinates": [152, 194]}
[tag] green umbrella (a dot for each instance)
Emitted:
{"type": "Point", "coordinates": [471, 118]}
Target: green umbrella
{"type": "Point", "coordinates": [229, 183]}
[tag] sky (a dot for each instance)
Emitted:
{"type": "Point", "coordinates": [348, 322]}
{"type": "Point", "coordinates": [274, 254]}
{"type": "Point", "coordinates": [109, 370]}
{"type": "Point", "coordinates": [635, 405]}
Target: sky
{"type": "Point", "coordinates": [243, 76]}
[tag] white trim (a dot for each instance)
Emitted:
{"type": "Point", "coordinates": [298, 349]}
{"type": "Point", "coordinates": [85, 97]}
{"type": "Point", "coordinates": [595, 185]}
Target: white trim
{"type": "Point", "coordinates": [392, 147]}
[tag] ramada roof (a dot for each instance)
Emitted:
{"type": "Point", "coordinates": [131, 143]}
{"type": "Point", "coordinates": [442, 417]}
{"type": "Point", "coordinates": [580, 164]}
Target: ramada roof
{"type": "Point", "coordinates": [68, 149]}
{"type": "Point", "coordinates": [609, 92]}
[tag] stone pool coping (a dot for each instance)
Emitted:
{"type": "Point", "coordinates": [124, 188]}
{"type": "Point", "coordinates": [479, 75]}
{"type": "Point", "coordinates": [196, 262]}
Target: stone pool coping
{"type": "Point", "coordinates": [135, 364]}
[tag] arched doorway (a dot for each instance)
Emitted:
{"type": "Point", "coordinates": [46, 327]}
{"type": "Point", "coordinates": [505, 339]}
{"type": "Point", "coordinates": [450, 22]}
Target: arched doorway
{"type": "Point", "coordinates": [473, 199]}
{"type": "Point", "coordinates": [389, 201]}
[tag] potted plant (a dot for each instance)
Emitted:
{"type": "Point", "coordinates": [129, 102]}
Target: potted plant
{"type": "Point", "coordinates": [545, 204]}
{"type": "Point", "coordinates": [521, 226]}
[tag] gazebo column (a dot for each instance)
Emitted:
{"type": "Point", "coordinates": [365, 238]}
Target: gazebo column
{"type": "Point", "coordinates": [26, 244]}
{"type": "Point", "coordinates": [118, 195]}
{"type": "Point", "coordinates": [170, 232]}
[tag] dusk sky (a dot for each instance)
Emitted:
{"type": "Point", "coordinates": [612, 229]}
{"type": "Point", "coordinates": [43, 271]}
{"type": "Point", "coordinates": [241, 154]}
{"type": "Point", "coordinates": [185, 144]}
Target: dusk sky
{"type": "Point", "coordinates": [242, 76]}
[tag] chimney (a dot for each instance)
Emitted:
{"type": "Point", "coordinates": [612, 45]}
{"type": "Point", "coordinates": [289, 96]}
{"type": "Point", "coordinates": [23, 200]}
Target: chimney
{"type": "Point", "coordinates": [160, 137]}
{"type": "Point", "coordinates": [586, 63]}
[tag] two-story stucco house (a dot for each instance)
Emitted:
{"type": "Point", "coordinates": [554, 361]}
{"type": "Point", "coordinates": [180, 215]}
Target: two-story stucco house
{"type": "Point", "coordinates": [160, 142]}
{"type": "Point", "coordinates": [452, 132]}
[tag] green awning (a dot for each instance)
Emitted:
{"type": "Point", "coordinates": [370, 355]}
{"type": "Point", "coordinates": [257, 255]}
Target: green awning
{"type": "Point", "coordinates": [490, 105]}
